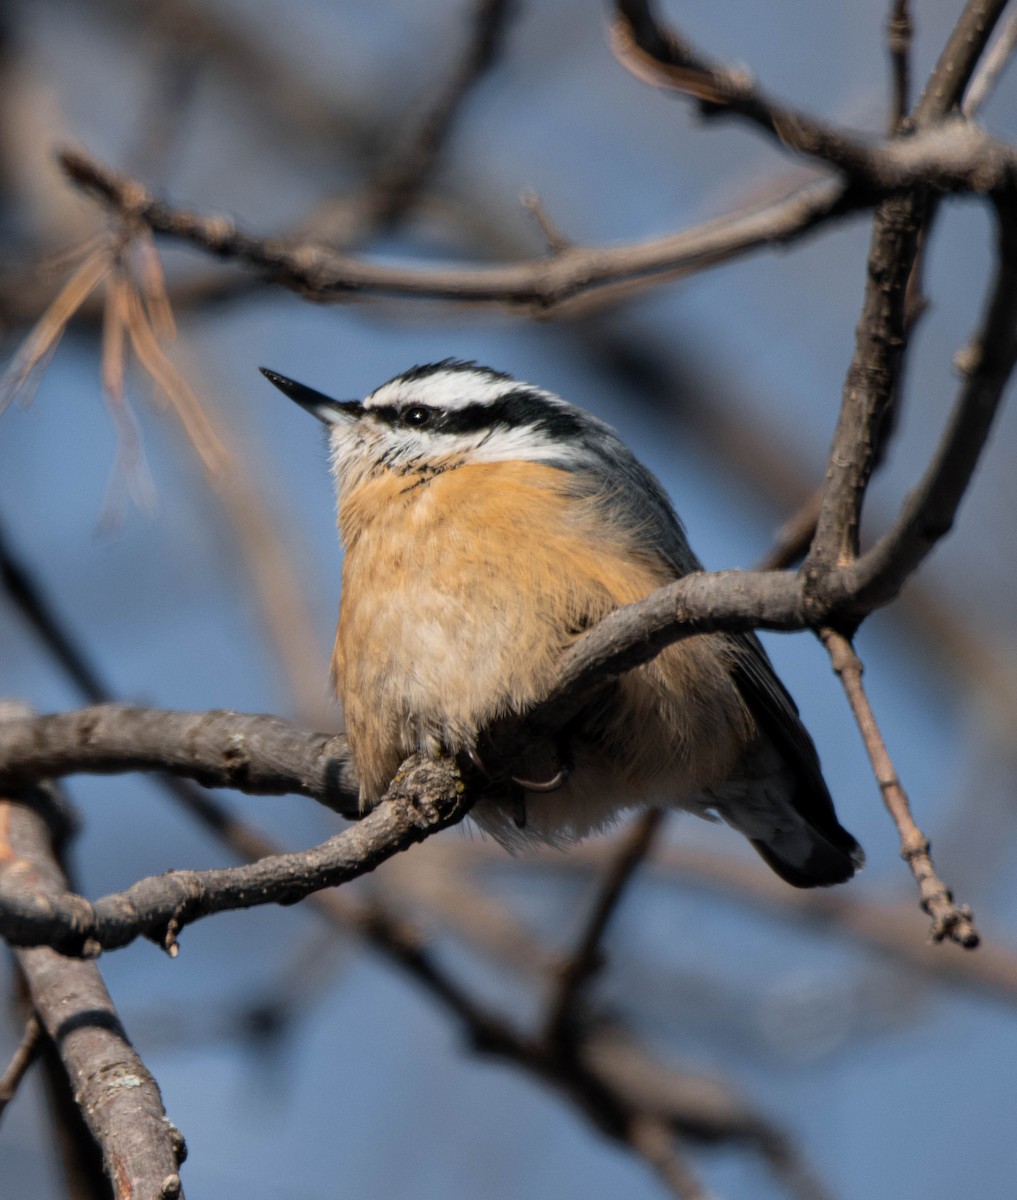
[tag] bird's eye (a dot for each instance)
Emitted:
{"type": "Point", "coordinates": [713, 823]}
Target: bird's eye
{"type": "Point", "coordinates": [417, 416]}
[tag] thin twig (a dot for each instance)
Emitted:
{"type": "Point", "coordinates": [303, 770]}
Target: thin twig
{"type": "Point", "coordinates": [22, 1058]}
{"type": "Point", "coordinates": [949, 920]}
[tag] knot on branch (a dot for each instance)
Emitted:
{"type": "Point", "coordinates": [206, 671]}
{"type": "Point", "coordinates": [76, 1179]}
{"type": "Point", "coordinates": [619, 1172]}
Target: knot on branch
{"type": "Point", "coordinates": [431, 791]}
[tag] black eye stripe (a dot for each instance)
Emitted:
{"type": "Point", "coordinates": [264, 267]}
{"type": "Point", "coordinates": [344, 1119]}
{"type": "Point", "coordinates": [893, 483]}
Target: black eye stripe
{"type": "Point", "coordinates": [522, 408]}
{"type": "Point", "coordinates": [388, 413]}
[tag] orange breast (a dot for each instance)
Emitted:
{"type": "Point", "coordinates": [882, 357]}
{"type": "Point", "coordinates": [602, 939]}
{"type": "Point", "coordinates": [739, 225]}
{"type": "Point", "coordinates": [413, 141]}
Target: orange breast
{"type": "Point", "coordinates": [459, 596]}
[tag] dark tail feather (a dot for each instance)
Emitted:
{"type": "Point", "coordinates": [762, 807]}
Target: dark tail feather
{"type": "Point", "coordinates": [809, 847]}
{"type": "Point", "coordinates": [821, 865]}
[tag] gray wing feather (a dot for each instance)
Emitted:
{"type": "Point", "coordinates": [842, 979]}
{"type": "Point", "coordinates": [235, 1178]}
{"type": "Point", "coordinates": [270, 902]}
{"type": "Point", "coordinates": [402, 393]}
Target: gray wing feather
{"type": "Point", "coordinates": [832, 854]}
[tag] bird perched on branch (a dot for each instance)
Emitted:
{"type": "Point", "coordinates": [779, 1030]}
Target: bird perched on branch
{"type": "Point", "coordinates": [486, 524]}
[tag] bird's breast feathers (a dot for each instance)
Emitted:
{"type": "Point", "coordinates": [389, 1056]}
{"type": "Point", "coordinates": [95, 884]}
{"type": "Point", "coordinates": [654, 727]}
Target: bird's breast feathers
{"type": "Point", "coordinates": [460, 593]}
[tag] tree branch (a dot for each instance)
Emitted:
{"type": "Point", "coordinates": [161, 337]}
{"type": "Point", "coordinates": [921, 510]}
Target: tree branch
{"type": "Point", "coordinates": [259, 755]}
{"type": "Point", "coordinates": [870, 383]}
{"type": "Point", "coordinates": [959, 58]}
{"type": "Point", "coordinates": [952, 158]}
{"type": "Point", "coordinates": [423, 798]}
{"type": "Point", "coordinates": [928, 513]}
{"type": "Point", "coordinates": [545, 283]}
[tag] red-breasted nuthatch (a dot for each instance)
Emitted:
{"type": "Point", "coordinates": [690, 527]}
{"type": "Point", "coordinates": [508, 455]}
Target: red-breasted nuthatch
{"type": "Point", "coordinates": [486, 524]}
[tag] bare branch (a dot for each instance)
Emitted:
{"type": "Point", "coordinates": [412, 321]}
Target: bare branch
{"type": "Point", "coordinates": [260, 755]}
{"type": "Point", "coordinates": [870, 383]}
{"type": "Point", "coordinates": [953, 158]}
{"type": "Point", "coordinates": [544, 283]}
{"type": "Point", "coordinates": [881, 337]}
{"type": "Point", "coordinates": [949, 920]}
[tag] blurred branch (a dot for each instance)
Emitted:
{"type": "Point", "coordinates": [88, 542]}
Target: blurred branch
{"type": "Point", "coordinates": [23, 591]}
{"type": "Point", "coordinates": [949, 920]}
{"type": "Point", "coordinates": [247, 55]}
{"type": "Point", "coordinates": [586, 959]}
{"type": "Point", "coordinates": [662, 57]}
{"type": "Point", "coordinates": [883, 927]}
{"type": "Point", "coordinates": [899, 31]}
{"type": "Point", "coordinates": [651, 1138]}
{"type": "Point", "coordinates": [22, 1058]}
{"type": "Point", "coordinates": [990, 68]}
{"type": "Point", "coordinates": [414, 156]}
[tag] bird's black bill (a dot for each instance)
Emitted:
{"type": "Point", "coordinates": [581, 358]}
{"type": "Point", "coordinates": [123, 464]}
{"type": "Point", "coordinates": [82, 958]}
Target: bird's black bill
{"type": "Point", "coordinates": [316, 403]}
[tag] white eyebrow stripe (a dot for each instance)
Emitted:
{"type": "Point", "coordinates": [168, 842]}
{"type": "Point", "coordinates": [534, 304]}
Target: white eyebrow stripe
{"type": "Point", "coordinates": [450, 390]}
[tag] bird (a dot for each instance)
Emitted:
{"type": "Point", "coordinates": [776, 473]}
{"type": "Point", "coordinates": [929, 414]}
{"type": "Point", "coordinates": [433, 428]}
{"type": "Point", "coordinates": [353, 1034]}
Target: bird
{"type": "Point", "coordinates": [486, 524]}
